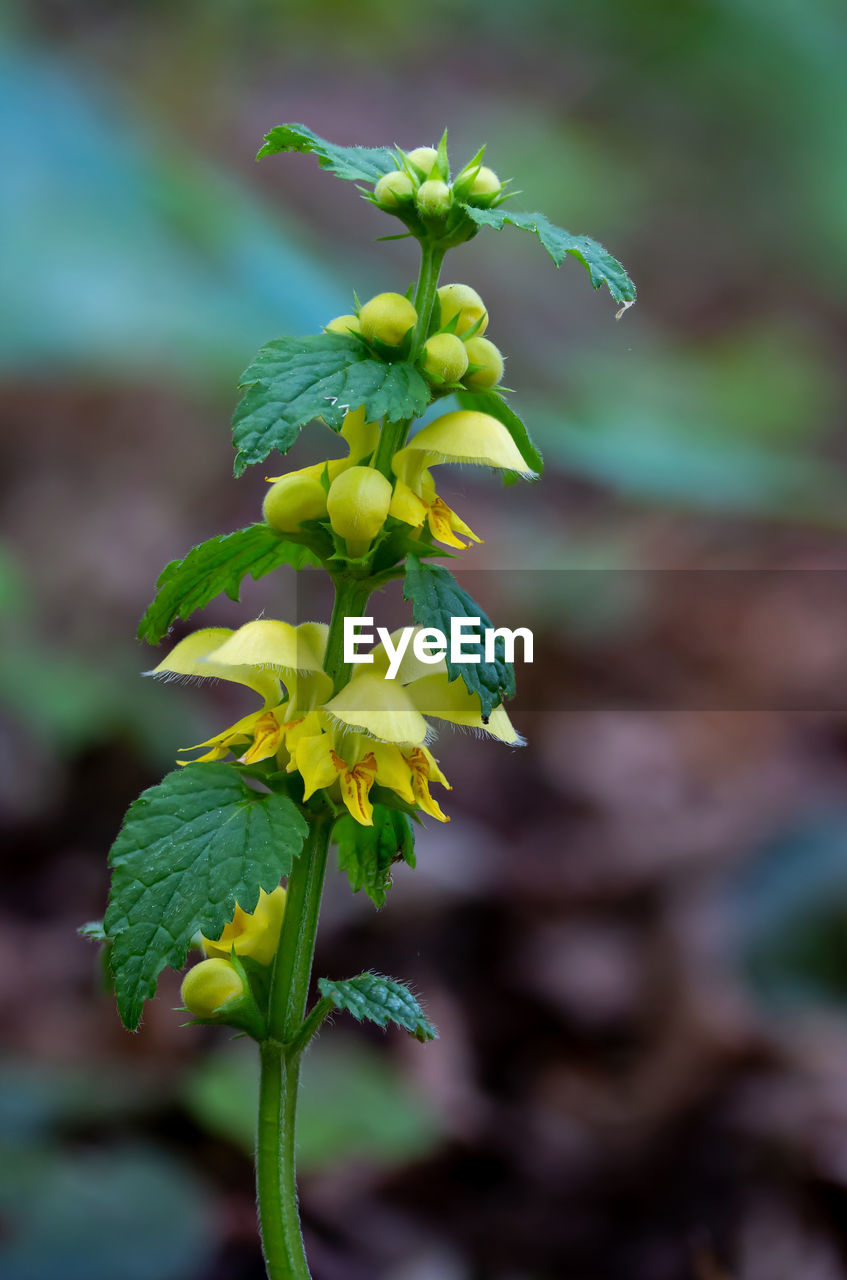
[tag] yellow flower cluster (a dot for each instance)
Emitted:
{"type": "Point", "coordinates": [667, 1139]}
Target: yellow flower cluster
{"type": "Point", "coordinates": [357, 499]}
{"type": "Point", "coordinates": [372, 731]}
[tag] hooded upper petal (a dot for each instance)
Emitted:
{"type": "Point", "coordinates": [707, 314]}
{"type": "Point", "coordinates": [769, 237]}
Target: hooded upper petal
{"type": "Point", "coordinates": [268, 644]}
{"type": "Point", "coordinates": [465, 437]}
{"type": "Point", "coordinates": [379, 707]}
{"type": "Point", "coordinates": [193, 657]}
{"type": "Point", "coordinates": [434, 695]}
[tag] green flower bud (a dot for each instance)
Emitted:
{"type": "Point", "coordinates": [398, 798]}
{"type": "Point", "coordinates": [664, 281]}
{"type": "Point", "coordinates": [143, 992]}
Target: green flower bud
{"type": "Point", "coordinates": [462, 301]}
{"type": "Point", "coordinates": [358, 502]}
{"type": "Point", "coordinates": [394, 189]}
{"type": "Point", "coordinates": [292, 499]}
{"type": "Point", "coordinates": [344, 325]}
{"type": "Point", "coordinates": [387, 318]}
{"type": "Point", "coordinates": [209, 985]}
{"type": "Point", "coordinates": [434, 198]}
{"type": "Point", "coordinates": [445, 356]}
{"type": "Point", "coordinates": [482, 352]}
{"type": "Point", "coordinates": [424, 158]}
{"type": "Point", "coordinates": [486, 183]}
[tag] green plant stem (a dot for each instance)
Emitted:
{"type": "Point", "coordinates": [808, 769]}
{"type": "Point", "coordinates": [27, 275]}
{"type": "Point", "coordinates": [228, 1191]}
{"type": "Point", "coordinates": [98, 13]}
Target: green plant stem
{"type": "Point", "coordinates": [280, 1062]}
{"type": "Point", "coordinates": [312, 1024]}
{"type": "Point", "coordinates": [393, 435]}
{"type": "Point", "coordinates": [426, 289]}
{"type": "Point", "coordinates": [279, 1218]}
{"type": "Point", "coordinates": [288, 1033]}
{"type": "Point", "coordinates": [351, 597]}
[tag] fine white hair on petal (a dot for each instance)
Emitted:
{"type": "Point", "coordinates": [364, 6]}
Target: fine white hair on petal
{"type": "Point", "coordinates": [180, 677]}
{"type": "Point", "coordinates": [480, 731]}
{"type": "Point", "coordinates": [442, 459]}
{"type": "Point", "coordinates": [344, 726]}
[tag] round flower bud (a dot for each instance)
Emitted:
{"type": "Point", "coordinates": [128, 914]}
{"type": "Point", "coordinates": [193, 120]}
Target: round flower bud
{"type": "Point", "coordinates": [424, 158]}
{"type": "Point", "coordinates": [486, 183]}
{"type": "Point", "coordinates": [434, 198]}
{"type": "Point", "coordinates": [358, 502]}
{"type": "Point", "coordinates": [253, 934]}
{"type": "Point", "coordinates": [394, 189]}
{"type": "Point", "coordinates": [210, 984]}
{"type": "Point", "coordinates": [292, 499]}
{"type": "Point", "coordinates": [462, 301]}
{"type": "Point", "coordinates": [387, 318]}
{"type": "Point", "coordinates": [482, 352]}
{"type": "Point", "coordinates": [344, 325]}
{"type": "Point", "coordinates": [445, 356]}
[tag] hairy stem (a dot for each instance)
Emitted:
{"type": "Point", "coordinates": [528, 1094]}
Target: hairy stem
{"type": "Point", "coordinates": [279, 1218]}
{"type": "Point", "coordinates": [288, 1033]}
{"type": "Point", "coordinates": [351, 597]}
{"type": "Point", "coordinates": [426, 289]}
{"type": "Point", "coordinates": [393, 435]}
{"type": "Point", "coordinates": [280, 1062]}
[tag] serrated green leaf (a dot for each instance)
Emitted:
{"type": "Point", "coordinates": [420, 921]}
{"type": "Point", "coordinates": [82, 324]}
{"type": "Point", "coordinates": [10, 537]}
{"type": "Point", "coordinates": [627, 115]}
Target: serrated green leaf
{"type": "Point", "coordinates": [219, 565]}
{"type": "Point", "coordinates": [492, 402]}
{"type": "Point", "coordinates": [436, 598]}
{"type": "Point", "coordinates": [598, 262]}
{"type": "Point", "coordinates": [293, 380]}
{"type": "Point", "coordinates": [354, 164]}
{"type": "Point", "coordinates": [381, 1000]}
{"type": "Point", "coordinates": [367, 853]}
{"type": "Point", "coordinates": [190, 848]}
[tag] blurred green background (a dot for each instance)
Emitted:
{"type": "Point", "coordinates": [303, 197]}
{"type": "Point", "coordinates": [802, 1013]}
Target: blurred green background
{"type": "Point", "coordinates": [632, 934]}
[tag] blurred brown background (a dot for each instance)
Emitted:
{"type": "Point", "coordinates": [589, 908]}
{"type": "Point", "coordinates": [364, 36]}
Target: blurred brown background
{"type": "Point", "coordinates": [633, 933]}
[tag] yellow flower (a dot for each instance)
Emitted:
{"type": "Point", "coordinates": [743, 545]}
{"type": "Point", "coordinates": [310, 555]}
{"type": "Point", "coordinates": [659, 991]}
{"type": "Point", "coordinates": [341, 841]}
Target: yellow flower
{"type": "Point", "coordinates": [379, 707]}
{"type": "Point", "coordinates": [300, 495]}
{"type": "Point", "coordinates": [464, 302]}
{"type": "Point", "coordinates": [444, 357]}
{"type": "Point", "coordinates": [345, 325]}
{"type": "Point", "coordinates": [429, 690]}
{"type": "Point", "coordinates": [210, 985]}
{"type": "Point", "coordinates": [372, 731]}
{"type": "Point", "coordinates": [253, 934]}
{"type": "Point", "coordinates": [356, 762]}
{"type": "Point", "coordinates": [422, 505]}
{"type": "Point", "coordinates": [258, 655]}
{"type": "Point", "coordinates": [357, 504]}
{"type": "Point", "coordinates": [488, 359]}
{"type": "Point", "coordinates": [463, 437]}
{"type": "Point", "coordinates": [387, 318]}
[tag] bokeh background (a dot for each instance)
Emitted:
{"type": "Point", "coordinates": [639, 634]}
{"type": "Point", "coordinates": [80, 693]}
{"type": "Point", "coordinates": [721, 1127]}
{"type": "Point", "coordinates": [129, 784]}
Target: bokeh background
{"type": "Point", "coordinates": [633, 934]}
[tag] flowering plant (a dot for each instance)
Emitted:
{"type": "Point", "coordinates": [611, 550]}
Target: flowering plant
{"type": "Point", "coordinates": [336, 752]}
